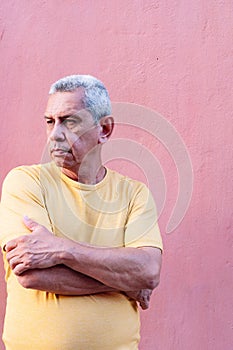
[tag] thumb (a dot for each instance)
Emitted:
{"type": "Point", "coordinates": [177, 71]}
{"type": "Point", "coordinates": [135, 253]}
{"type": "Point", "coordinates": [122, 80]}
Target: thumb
{"type": "Point", "coordinates": [29, 223]}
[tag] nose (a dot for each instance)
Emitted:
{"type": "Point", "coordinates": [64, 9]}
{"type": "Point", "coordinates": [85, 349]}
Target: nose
{"type": "Point", "coordinates": [57, 133]}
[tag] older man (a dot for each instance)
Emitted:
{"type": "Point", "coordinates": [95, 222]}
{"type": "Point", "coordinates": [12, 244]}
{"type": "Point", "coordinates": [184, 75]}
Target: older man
{"type": "Point", "coordinates": [89, 247]}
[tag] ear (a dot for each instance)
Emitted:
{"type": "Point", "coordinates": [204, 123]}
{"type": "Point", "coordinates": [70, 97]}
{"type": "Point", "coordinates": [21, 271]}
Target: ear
{"type": "Point", "coordinates": [106, 128]}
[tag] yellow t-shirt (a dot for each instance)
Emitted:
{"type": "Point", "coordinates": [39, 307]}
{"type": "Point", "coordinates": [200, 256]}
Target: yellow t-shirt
{"type": "Point", "coordinates": [116, 212]}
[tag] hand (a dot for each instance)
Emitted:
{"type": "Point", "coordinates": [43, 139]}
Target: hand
{"type": "Point", "coordinates": [39, 249]}
{"type": "Point", "coordinates": [142, 296]}
{"type": "Point", "coordinates": [28, 279]}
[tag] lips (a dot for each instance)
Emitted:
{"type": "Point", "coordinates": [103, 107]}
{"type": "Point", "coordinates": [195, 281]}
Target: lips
{"type": "Point", "coordinates": [60, 151]}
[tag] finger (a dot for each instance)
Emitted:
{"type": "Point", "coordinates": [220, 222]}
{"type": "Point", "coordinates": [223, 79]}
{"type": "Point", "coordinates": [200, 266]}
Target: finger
{"type": "Point", "coordinates": [12, 254]}
{"type": "Point", "coordinates": [19, 269]}
{"type": "Point", "coordinates": [29, 223]}
{"type": "Point", "coordinates": [13, 261]}
{"type": "Point", "coordinates": [144, 305]}
{"type": "Point", "coordinates": [16, 264]}
{"type": "Point", "coordinates": [145, 300]}
{"type": "Point", "coordinates": [14, 243]}
{"type": "Point", "coordinates": [10, 245]}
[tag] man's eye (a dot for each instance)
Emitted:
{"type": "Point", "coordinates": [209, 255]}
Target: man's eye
{"type": "Point", "coordinates": [49, 121]}
{"type": "Point", "coordinates": [70, 123]}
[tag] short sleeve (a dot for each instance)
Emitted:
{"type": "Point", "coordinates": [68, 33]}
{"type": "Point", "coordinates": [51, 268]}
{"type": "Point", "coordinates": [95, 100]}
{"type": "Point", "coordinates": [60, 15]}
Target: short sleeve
{"type": "Point", "coordinates": [22, 194]}
{"type": "Point", "coordinates": [142, 224]}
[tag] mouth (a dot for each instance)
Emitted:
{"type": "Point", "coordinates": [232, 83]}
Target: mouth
{"type": "Point", "coordinates": [60, 151]}
{"type": "Point", "coordinates": [65, 150]}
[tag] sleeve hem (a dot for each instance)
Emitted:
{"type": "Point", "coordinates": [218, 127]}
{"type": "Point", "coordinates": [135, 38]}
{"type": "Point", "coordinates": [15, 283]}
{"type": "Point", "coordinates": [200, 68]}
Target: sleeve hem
{"type": "Point", "coordinates": [145, 244]}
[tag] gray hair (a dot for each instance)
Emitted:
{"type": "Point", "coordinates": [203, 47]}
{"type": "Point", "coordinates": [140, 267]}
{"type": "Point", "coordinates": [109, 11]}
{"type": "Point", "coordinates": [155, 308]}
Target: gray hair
{"type": "Point", "coordinates": [96, 98]}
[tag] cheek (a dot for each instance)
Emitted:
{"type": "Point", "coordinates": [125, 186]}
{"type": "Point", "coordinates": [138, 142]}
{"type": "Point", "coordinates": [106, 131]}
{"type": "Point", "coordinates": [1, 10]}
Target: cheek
{"type": "Point", "coordinates": [72, 138]}
{"type": "Point", "coordinates": [89, 137]}
{"type": "Point", "coordinates": [48, 132]}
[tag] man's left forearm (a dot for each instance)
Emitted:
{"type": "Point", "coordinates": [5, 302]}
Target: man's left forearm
{"type": "Point", "coordinates": [61, 280]}
{"type": "Point", "coordinates": [65, 281]}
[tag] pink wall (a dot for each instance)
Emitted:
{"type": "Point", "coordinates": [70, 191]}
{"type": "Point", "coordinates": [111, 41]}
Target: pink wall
{"type": "Point", "coordinates": [174, 57]}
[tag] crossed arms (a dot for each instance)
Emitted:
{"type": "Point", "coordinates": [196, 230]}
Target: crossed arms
{"type": "Point", "coordinates": [43, 261]}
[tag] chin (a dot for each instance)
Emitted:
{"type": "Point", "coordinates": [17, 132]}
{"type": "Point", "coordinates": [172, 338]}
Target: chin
{"type": "Point", "coordinates": [59, 162]}
{"type": "Point", "coordinates": [62, 163]}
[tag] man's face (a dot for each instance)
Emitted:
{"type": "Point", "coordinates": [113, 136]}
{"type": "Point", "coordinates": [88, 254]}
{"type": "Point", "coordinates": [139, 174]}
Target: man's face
{"type": "Point", "coordinates": [72, 133]}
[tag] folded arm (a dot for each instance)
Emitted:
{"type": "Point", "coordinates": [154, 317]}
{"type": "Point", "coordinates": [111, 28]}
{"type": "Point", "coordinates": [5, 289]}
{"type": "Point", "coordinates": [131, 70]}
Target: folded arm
{"type": "Point", "coordinates": [61, 280]}
{"type": "Point", "coordinates": [120, 268]}
{"type": "Point", "coordinates": [106, 269]}
{"type": "Point", "coordinates": [65, 281]}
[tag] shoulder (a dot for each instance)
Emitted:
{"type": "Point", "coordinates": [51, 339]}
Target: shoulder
{"type": "Point", "coordinates": [133, 189]}
{"type": "Point", "coordinates": [25, 176]}
{"type": "Point", "coordinates": [135, 185]}
{"type": "Point", "coordinates": [33, 171]}
{"type": "Point", "coordinates": [22, 172]}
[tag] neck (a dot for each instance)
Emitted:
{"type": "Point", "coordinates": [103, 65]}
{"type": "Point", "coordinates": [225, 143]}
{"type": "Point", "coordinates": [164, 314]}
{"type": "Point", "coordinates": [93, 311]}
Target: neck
{"type": "Point", "coordinates": [89, 174]}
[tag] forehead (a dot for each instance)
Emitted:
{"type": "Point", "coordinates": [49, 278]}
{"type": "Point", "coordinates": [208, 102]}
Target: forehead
{"type": "Point", "coordinates": [63, 103]}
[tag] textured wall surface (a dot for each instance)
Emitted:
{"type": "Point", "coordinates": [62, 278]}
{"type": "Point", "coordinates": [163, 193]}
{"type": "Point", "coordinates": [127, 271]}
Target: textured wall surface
{"type": "Point", "coordinates": [176, 58]}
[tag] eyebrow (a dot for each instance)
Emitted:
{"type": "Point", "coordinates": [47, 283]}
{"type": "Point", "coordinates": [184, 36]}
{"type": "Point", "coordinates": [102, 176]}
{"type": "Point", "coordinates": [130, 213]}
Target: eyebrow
{"type": "Point", "coordinates": [65, 116]}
